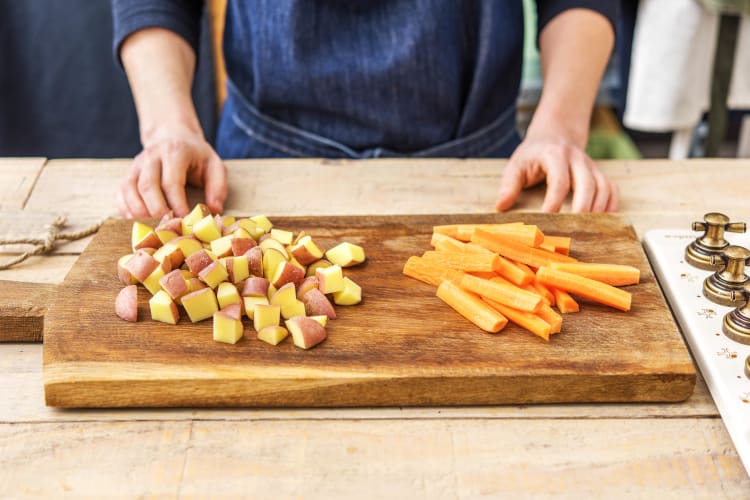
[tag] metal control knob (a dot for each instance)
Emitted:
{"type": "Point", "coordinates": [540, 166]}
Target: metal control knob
{"type": "Point", "coordinates": [712, 242]}
{"type": "Point", "coordinates": [725, 285]}
{"type": "Point", "coordinates": [736, 324]}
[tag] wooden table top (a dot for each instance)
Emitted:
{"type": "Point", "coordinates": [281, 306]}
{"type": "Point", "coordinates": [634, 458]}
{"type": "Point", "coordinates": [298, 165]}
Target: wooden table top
{"type": "Point", "coordinates": [582, 450]}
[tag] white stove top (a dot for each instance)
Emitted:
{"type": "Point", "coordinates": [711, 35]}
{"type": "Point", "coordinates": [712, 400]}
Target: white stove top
{"type": "Point", "coordinates": [721, 360]}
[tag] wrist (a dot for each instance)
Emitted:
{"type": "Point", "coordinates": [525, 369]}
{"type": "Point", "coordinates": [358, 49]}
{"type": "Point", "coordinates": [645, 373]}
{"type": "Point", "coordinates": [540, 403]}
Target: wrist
{"type": "Point", "coordinates": [562, 125]}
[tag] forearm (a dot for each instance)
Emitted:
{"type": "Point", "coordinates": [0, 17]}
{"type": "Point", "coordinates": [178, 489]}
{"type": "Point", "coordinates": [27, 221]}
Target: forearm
{"type": "Point", "coordinates": [160, 66]}
{"type": "Point", "coordinates": [574, 48]}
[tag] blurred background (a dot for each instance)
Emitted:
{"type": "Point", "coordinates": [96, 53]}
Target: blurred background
{"type": "Point", "coordinates": [677, 85]}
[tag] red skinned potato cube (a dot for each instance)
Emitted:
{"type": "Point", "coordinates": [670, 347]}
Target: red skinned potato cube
{"type": "Point", "coordinates": [141, 265]}
{"type": "Point", "coordinates": [233, 310]}
{"type": "Point", "coordinates": [198, 261]}
{"type": "Point", "coordinates": [122, 273]}
{"type": "Point", "coordinates": [286, 272]}
{"type": "Point", "coordinates": [174, 284]}
{"type": "Point", "coordinates": [126, 303]}
{"type": "Point", "coordinates": [306, 251]}
{"type": "Point", "coordinates": [168, 223]}
{"type": "Point", "coordinates": [255, 261]}
{"type": "Point", "coordinates": [306, 332]}
{"type": "Point", "coordinates": [306, 285]}
{"type": "Point", "coordinates": [255, 286]}
{"type": "Point", "coordinates": [318, 304]}
{"type": "Point", "coordinates": [240, 246]}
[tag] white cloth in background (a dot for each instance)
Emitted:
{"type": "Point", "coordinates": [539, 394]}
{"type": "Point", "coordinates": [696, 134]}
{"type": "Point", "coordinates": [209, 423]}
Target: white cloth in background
{"type": "Point", "coordinates": [672, 63]}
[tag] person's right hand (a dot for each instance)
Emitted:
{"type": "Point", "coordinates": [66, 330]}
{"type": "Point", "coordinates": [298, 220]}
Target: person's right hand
{"type": "Point", "coordinates": [156, 181]}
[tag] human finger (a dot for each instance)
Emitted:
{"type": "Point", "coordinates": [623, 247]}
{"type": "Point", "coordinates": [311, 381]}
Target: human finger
{"type": "Point", "coordinates": [511, 184]}
{"type": "Point", "coordinates": [129, 191]}
{"type": "Point", "coordinates": [558, 183]}
{"type": "Point", "coordinates": [215, 183]}
{"type": "Point", "coordinates": [149, 186]}
{"type": "Point", "coordinates": [173, 178]}
{"type": "Point", "coordinates": [121, 206]}
{"type": "Point", "coordinates": [614, 198]}
{"type": "Point", "coordinates": [603, 191]}
{"type": "Point", "coordinates": [584, 184]}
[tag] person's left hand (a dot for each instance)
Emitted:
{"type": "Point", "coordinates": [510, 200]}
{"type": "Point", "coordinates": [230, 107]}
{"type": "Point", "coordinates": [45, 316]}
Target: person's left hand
{"type": "Point", "coordinates": [566, 166]}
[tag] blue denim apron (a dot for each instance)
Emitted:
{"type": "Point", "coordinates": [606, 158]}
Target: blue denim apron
{"type": "Point", "coordinates": [372, 78]}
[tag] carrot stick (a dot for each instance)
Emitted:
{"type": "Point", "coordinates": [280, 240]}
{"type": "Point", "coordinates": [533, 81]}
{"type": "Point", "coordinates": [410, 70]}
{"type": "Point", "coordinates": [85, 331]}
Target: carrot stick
{"type": "Point", "coordinates": [526, 270]}
{"type": "Point", "coordinates": [560, 244]}
{"type": "Point", "coordinates": [526, 234]}
{"type": "Point", "coordinates": [565, 303]}
{"type": "Point", "coordinates": [611, 274]}
{"type": "Point", "coordinates": [509, 295]}
{"type": "Point", "coordinates": [449, 245]}
{"type": "Point", "coordinates": [513, 273]}
{"type": "Point", "coordinates": [431, 274]}
{"type": "Point", "coordinates": [463, 232]}
{"type": "Point", "coordinates": [585, 287]}
{"type": "Point", "coordinates": [462, 261]}
{"type": "Point", "coordinates": [525, 320]}
{"type": "Point", "coordinates": [471, 307]}
{"type": "Point", "coordinates": [544, 292]}
{"type": "Point", "coordinates": [550, 316]}
{"type": "Point", "coordinates": [483, 275]}
{"type": "Point", "coordinates": [439, 238]}
{"type": "Point", "coordinates": [518, 252]}
{"type": "Point", "coordinates": [474, 248]}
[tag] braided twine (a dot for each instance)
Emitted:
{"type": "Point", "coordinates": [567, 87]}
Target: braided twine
{"type": "Point", "coordinates": [47, 244]}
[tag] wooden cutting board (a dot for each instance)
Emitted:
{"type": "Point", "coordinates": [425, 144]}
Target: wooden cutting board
{"type": "Point", "coordinates": [400, 346]}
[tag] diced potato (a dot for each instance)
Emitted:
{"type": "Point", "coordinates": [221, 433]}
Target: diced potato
{"type": "Point", "coordinates": [296, 308]}
{"type": "Point", "coordinates": [206, 229]}
{"type": "Point", "coordinates": [346, 254]}
{"type": "Point", "coordinates": [251, 301]}
{"type": "Point", "coordinates": [213, 274]}
{"type": "Point", "coordinates": [282, 236]}
{"type": "Point", "coordinates": [263, 222]}
{"type": "Point", "coordinates": [264, 316]}
{"type": "Point", "coordinates": [273, 334]}
{"type": "Point", "coordinates": [226, 328]}
{"type": "Point", "coordinates": [350, 294]}
{"type": "Point", "coordinates": [222, 247]}
{"type": "Point", "coordinates": [330, 279]}
{"type": "Point", "coordinates": [163, 308]}
{"type": "Point", "coordinates": [226, 293]}
{"type": "Point", "coordinates": [200, 305]}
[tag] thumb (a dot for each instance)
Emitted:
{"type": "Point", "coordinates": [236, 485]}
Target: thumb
{"type": "Point", "coordinates": [511, 184]}
{"type": "Point", "coordinates": [215, 182]}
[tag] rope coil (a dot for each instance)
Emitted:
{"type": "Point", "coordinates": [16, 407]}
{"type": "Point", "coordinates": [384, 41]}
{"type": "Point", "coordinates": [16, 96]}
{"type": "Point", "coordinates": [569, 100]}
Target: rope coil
{"type": "Point", "coordinates": [47, 244]}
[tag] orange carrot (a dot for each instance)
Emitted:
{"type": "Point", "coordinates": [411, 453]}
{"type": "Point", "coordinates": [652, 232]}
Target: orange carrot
{"type": "Point", "coordinates": [448, 244]}
{"type": "Point", "coordinates": [463, 232]}
{"type": "Point", "coordinates": [611, 274]}
{"type": "Point", "coordinates": [544, 292]}
{"type": "Point", "coordinates": [483, 275]}
{"type": "Point", "coordinates": [438, 238]}
{"type": "Point", "coordinates": [462, 261]}
{"type": "Point", "coordinates": [533, 289]}
{"type": "Point", "coordinates": [471, 307]}
{"type": "Point", "coordinates": [431, 274]}
{"type": "Point", "coordinates": [474, 248]}
{"type": "Point", "coordinates": [518, 252]}
{"type": "Point", "coordinates": [526, 234]}
{"type": "Point", "coordinates": [550, 316]}
{"type": "Point", "coordinates": [513, 272]}
{"type": "Point", "coordinates": [526, 270]}
{"type": "Point", "coordinates": [565, 303]}
{"type": "Point", "coordinates": [585, 287]}
{"type": "Point", "coordinates": [559, 244]}
{"type": "Point", "coordinates": [526, 320]}
{"type": "Point", "coordinates": [501, 292]}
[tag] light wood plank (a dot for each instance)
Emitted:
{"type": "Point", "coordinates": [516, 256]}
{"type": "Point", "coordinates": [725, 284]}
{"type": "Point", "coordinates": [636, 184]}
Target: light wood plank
{"type": "Point", "coordinates": [21, 384]}
{"type": "Point", "coordinates": [17, 178]}
{"type": "Point", "coordinates": [672, 458]}
{"type": "Point", "coordinates": [40, 269]}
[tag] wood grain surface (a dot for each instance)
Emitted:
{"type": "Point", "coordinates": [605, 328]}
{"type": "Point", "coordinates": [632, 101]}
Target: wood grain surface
{"type": "Point", "coordinates": [401, 346]}
{"type": "Point", "coordinates": [23, 308]}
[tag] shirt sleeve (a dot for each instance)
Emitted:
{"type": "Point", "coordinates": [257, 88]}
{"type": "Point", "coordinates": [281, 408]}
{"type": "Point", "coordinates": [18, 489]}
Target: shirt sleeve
{"type": "Point", "coordinates": [180, 16]}
{"type": "Point", "coordinates": [548, 9]}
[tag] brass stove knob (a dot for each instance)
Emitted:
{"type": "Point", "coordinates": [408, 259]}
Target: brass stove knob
{"type": "Point", "coordinates": [712, 242]}
{"type": "Point", "coordinates": [725, 285]}
{"type": "Point", "coordinates": [736, 324]}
